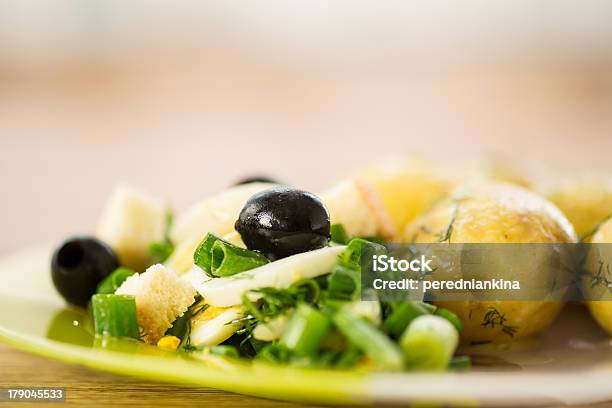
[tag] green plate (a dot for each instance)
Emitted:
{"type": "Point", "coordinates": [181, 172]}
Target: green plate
{"type": "Point", "coordinates": [570, 363]}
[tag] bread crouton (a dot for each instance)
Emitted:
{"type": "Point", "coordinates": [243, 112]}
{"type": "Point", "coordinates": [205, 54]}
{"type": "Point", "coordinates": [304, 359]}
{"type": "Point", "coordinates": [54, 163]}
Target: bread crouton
{"type": "Point", "coordinates": [161, 297]}
{"type": "Point", "coordinates": [132, 220]}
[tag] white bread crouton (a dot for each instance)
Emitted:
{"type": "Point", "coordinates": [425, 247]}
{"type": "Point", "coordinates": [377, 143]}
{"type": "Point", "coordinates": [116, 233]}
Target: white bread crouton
{"type": "Point", "coordinates": [356, 205]}
{"type": "Point", "coordinates": [130, 222]}
{"type": "Point", "coordinates": [161, 297]}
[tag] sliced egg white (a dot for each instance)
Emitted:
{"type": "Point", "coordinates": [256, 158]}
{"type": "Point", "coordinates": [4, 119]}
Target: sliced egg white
{"type": "Point", "coordinates": [214, 325]}
{"type": "Point", "coordinates": [196, 276]}
{"type": "Point", "coordinates": [272, 330]}
{"type": "Point", "coordinates": [225, 292]}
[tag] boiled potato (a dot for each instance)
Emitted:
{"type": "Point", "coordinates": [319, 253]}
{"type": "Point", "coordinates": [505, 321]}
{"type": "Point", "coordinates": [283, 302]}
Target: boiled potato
{"type": "Point", "coordinates": [509, 169]}
{"type": "Point", "coordinates": [356, 205]}
{"type": "Point", "coordinates": [586, 201]}
{"type": "Point", "coordinates": [407, 187]}
{"type": "Point", "coordinates": [217, 214]}
{"type": "Point", "coordinates": [601, 310]}
{"type": "Point", "coordinates": [495, 212]}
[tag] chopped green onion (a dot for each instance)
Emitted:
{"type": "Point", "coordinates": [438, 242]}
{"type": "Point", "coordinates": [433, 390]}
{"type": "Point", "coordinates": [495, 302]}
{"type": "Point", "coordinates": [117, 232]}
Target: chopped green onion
{"type": "Point", "coordinates": [115, 315]}
{"type": "Point", "coordinates": [460, 363]}
{"type": "Point", "coordinates": [402, 316]}
{"type": "Point", "coordinates": [228, 259]}
{"type": "Point", "coordinates": [429, 343]}
{"type": "Point", "coordinates": [202, 256]}
{"type": "Point", "coordinates": [181, 326]}
{"type": "Point", "coordinates": [366, 337]}
{"type": "Point", "coordinates": [112, 282]}
{"type": "Point", "coordinates": [342, 283]}
{"type": "Point", "coordinates": [348, 357]}
{"type": "Point", "coordinates": [451, 317]}
{"type": "Point", "coordinates": [218, 257]}
{"type": "Point", "coordinates": [339, 234]}
{"type": "Point", "coordinates": [359, 250]}
{"type": "Point", "coordinates": [367, 309]}
{"type": "Point", "coordinates": [224, 351]}
{"type": "Point", "coordinates": [274, 353]}
{"type": "Point", "coordinates": [430, 308]}
{"type": "Point", "coordinates": [305, 330]}
{"type": "Point", "coordinates": [257, 345]}
{"type": "Point", "coordinates": [161, 251]}
{"type": "Point", "coordinates": [375, 239]}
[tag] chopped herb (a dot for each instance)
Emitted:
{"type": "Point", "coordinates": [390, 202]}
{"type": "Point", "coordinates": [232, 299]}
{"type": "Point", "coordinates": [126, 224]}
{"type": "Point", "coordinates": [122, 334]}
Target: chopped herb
{"type": "Point", "coordinates": [367, 338]}
{"type": "Point", "coordinates": [403, 314]}
{"type": "Point", "coordinates": [218, 257]}
{"type": "Point", "coordinates": [223, 351]}
{"type": "Point", "coordinates": [451, 317]}
{"type": "Point", "coordinates": [181, 327]}
{"type": "Point", "coordinates": [343, 284]}
{"type": "Point", "coordinates": [306, 330]}
{"type": "Point", "coordinates": [600, 278]}
{"type": "Point", "coordinates": [339, 234]}
{"type": "Point", "coordinates": [494, 318]}
{"type": "Point", "coordinates": [115, 315]}
{"type": "Point", "coordinates": [111, 283]}
{"type": "Point", "coordinates": [359, 250]}
{"type": "Point", "coordinates": [161, 250]}
{"type": "Point", "coordinates": [460, 363]}
{"type": "Point", "coordinates": [445, 235]}
{"type": "Point", "coordinates": [429, 343]}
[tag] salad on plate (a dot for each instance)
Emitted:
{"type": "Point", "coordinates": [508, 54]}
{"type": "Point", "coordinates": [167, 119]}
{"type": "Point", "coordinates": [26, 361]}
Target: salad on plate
{"type": "Point", "coordinates": [265, 272]}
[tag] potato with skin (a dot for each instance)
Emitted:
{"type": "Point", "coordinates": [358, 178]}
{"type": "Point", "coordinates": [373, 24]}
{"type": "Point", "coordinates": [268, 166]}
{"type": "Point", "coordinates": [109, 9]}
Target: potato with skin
{"type": "Point", "coordinates": [495, 212]}
{"type": "Point", "coordinates": [585, 200]}
{"type": "Point", "coordinates": [508, 169]}
{"type": "Point", "coordinates": [407, 187]}
{"type": "Point", "coordinates": [601, 310]}
{"type": "Point", "coordinates": [356, 205]}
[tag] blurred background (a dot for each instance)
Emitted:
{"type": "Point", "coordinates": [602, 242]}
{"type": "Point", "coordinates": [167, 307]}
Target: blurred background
{"type": "Point", "coordinates": [183, 98]}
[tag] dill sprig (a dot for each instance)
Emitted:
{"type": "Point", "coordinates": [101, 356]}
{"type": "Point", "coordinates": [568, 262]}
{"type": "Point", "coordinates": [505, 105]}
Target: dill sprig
{"type": "Point", "coordinates": [445, 235]}
{"type": "Point", "coordinates": [274, 302]}
{"type": "Point", "coordinates": [494, 318]}
{"type": "Point", "coordinates": [601, 277]}
{"type": "Point", "coordinates": [181, 328]}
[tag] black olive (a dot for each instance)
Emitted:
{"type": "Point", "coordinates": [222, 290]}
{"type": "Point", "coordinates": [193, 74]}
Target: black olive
{"type": "Point", "coordinates": [284, 221]}
{"type": "Point", "coordinates": [256, 179]}
{"type": "Point", "coordinates": [78, 265]}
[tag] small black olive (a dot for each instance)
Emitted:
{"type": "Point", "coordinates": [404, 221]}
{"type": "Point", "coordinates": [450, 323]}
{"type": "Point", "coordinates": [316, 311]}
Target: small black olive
{"type": "Point", "coordinates": [256, 179]}
{"type": "Point", "coordinates": [284, 221]}
{"type": "Point", "coordinates": [78, 265]}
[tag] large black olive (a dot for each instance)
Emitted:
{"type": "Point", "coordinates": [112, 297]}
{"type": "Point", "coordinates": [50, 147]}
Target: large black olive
{"type": "Point", "coordinates": [78, 265]}
{"type": "Point", "coordinates": [284, 221]}
{"type": "Point", "coordinates": [256, 179]}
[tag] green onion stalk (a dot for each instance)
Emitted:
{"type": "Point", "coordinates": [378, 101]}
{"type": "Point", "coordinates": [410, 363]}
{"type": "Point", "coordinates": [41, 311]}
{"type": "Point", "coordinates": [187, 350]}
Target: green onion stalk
{"type": "Point", "coordinates": [219, 258]}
